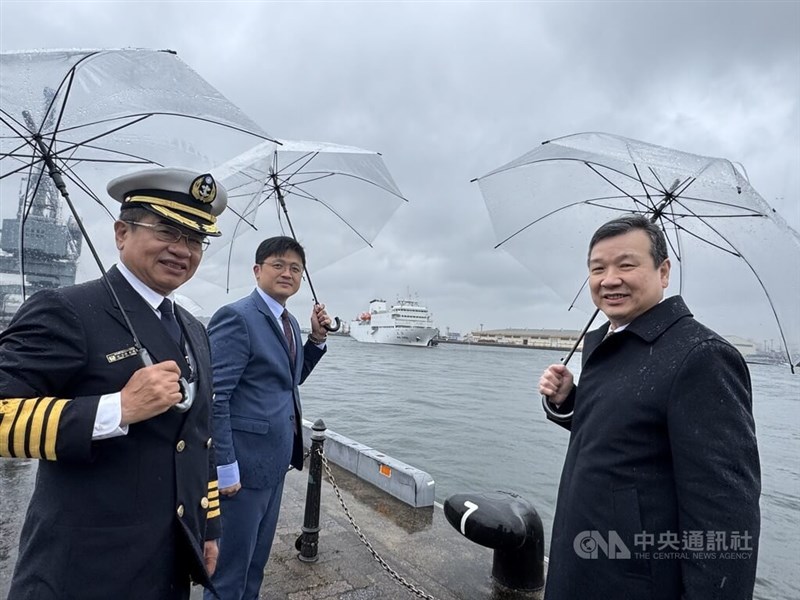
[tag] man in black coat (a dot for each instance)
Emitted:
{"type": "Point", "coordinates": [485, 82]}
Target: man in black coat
{"type": "Point", "coordinates": [660, 487]}
{"type": "Point", "coordinates": [126, 502]}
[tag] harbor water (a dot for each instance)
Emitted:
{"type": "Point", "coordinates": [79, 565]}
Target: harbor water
{"type": "Point", "coordinates": [470, 416]}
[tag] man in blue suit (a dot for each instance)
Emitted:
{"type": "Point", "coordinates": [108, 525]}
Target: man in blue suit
{"type": "Point", "coordinates": [258, 362]}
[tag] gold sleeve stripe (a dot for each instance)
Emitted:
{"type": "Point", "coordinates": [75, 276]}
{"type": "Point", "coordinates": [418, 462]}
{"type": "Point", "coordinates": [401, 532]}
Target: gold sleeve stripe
{"type": "Point", "coordinates": [213, 485]}
{"type": "Point", "coordinates": [8, 412]}
{"type": "Point", "coordinates": [23, 420]}
{"type": "Point", "coordinates": [213, 494]}
{"type": "Point", "coordinates": [52, 430]}
{"type": "Point", "coordinates": [37, 425]}
{"type": "Point", "coordinates": [213, 503]}
{"type": "Point", "coordinates": [19, 448]}
{"type": "Point", "coordinates": [213, 513]}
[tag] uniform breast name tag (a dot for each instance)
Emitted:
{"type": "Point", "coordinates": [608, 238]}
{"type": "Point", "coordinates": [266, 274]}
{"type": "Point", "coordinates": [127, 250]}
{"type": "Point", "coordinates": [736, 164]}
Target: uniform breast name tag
{"type": "Point", "coordinates": [120, 354]}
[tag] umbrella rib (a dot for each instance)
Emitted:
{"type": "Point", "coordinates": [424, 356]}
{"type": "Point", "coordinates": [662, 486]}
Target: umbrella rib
{"type": "Point", "coordinates": [250, 206]}
{"type": "Point", "coordinates": [323, 175]}
{"type": "Point", "coordinates": [172, 114]}
{"type": "Point", "coordinates": [676, 247]}
{"type": "Point", "coordinates": [306, 158]}
{"type": "Point", "coordinates": [677, 225]}
{"type": "Point", "coordinates": [82, 185]}
{"type": "Point", "coordinates": [309, 196]}
{"type": "Point", "coordinates": [532, 223]}
{"type": "Point", "coordinates": [230, 255]}
{"type": "Point", "coordinates": [18, 128]}
{"type": "Point", "coordinates": [615, 186]}
{"type": "Point", "coordinates": [739, 254]}
{"type": "Point", "coordinates": [70, 77]}
{"type": "Point", "coordinates": [641, 182]}
{"type": "Point", "coordinates": [727, 204]}
{"type": "Point", "coordinates": [317, 177]}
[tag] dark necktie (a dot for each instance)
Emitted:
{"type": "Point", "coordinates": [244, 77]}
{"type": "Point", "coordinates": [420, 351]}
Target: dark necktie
{"type": "Point", "coordinates": [169, 321]}
{"type": "Point", "coordinates": [287, 331]}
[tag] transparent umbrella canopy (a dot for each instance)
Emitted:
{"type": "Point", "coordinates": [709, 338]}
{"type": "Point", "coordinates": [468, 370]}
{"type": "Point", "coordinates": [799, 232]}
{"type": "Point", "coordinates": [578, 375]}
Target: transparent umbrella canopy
{"type": "Point", "coordinates": [70, 120]}
{"type": "Point", "coordinates": [333, 199]}
{"type": "Point", "coordinates": [734, 258]}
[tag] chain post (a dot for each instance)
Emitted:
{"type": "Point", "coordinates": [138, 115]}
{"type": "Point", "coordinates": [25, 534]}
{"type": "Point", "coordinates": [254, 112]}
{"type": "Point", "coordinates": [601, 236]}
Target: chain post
{"type": "Point", "coordinates": [308, 542]}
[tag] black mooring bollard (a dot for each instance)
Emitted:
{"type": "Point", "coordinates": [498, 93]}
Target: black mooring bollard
{"type": "Point", "coordinates": [511, 526]}
{"type": "Point", "coordinates": [308, 542]}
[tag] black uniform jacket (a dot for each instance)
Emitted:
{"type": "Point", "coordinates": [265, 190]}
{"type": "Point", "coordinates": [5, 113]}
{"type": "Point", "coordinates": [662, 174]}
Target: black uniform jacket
{"type": "Point", "coordinates": [662, 456]}
{"type": "Point", "coordinates": [115, 518]}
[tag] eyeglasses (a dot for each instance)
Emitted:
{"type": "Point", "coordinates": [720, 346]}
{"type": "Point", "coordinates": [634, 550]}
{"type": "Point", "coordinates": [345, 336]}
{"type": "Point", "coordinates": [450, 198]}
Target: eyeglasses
{"type": "Point", "coordinates": [173, 235]}
{"type": "Point", "coordinates": [295, 269]}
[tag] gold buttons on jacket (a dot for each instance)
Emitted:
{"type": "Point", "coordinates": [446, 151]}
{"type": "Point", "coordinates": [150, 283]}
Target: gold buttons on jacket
{"type": "Point", "coordinates": [204, 502]}
{"type": "Point", "coordinates": [181, 445]}
{"type": "Point", "coordinates": [180, 510]}
{"type": "Point", "coordinates": [208, 443]}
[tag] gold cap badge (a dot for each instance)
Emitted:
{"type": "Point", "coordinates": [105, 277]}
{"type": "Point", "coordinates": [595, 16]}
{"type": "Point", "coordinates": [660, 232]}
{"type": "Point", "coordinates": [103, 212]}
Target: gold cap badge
{"type": "Point", "coordinates": [204, 189]}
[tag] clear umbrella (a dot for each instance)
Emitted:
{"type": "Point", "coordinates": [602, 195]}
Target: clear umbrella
{"type": "Point", "coordinates": [734, 258]}
{"type": "Point", "coordinates": [333, 199]}
{"type": "Point", "coordinates": [70, 120]}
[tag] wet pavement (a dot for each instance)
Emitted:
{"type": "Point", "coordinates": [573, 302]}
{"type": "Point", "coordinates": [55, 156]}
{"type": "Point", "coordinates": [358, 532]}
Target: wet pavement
{"type": "Point", "coordinates": [419, 544]}
{"type": "Point", "coordinates": [16, 481]}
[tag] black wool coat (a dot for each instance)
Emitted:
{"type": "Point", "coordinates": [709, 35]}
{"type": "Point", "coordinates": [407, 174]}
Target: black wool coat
{"type": "Point", "coordinates": [662, 462]}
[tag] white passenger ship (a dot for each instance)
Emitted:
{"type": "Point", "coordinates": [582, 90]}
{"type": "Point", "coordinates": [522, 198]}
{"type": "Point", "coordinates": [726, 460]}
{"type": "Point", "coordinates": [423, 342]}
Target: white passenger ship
{"type": "Point", "coordinates": [405, 323]}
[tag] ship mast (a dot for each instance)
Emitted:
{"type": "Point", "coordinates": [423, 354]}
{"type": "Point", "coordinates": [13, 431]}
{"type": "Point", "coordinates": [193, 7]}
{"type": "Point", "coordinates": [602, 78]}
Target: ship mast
{"type": "Point", "coordinates": [39, 246]}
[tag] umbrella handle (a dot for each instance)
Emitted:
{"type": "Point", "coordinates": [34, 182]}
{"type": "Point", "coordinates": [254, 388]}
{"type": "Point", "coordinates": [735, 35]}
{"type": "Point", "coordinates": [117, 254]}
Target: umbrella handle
{"type": "Point", "coordinates": [338, 325]}
{"type": "Point", "coordinates": [548, 408]}
{"type": "Point", "coordinates": [188, 397]}
{"type": "Point", "coordinates": [186, 390]}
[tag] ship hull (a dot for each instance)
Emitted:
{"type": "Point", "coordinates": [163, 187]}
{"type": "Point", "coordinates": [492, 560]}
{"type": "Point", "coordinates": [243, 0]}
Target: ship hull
{"type": "Point", "coordinates": [401, 336]}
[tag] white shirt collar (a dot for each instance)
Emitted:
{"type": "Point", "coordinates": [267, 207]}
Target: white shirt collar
{"type": "Point", "coordinates": [152, 298]}
{"type": "Point", "coordinates": [274, 306]}
{"type": "Point", "coordinates": [622, 327]}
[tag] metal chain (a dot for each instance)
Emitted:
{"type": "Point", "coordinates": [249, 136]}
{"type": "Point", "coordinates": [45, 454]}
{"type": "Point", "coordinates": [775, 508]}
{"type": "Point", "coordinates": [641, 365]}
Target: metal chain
{"type": "Point", "coordinates": [394, 574]}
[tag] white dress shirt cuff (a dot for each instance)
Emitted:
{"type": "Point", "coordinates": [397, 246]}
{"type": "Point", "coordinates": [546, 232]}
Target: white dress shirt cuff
{"type": "Point", "coordinates": [108, 417]}
{"type": "Point", "coordinates": [227, 475]}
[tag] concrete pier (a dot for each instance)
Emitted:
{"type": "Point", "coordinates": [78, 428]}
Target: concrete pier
{"type": "Point", "coordinates": [418, 543]}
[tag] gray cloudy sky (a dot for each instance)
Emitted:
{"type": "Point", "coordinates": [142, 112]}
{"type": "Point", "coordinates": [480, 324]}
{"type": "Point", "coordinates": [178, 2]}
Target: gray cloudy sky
{"type": "Point", "coordinates": [448, 91]}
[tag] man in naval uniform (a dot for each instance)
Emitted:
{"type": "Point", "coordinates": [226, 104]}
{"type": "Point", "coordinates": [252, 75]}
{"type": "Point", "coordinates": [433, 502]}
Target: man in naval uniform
{"type": "Point", "coordinates": [126, 502]}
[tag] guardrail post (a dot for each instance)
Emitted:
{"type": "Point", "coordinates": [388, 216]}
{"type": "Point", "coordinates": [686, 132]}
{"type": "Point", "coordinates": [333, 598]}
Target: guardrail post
{"type": "Point", "coordinates": [308, 542]}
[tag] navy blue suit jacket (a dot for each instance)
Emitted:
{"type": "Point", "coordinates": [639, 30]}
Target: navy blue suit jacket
{"type": "Point", "coordinates": [257, 412]}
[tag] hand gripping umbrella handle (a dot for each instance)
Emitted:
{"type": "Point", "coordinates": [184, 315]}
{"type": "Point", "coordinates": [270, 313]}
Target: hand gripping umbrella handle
{"type": "Point", "coordinates": [336, 328]}
{"type": "Point", "coordinates": [186, 390]}
{"type": "Point", "coordinates": [548, 408]}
